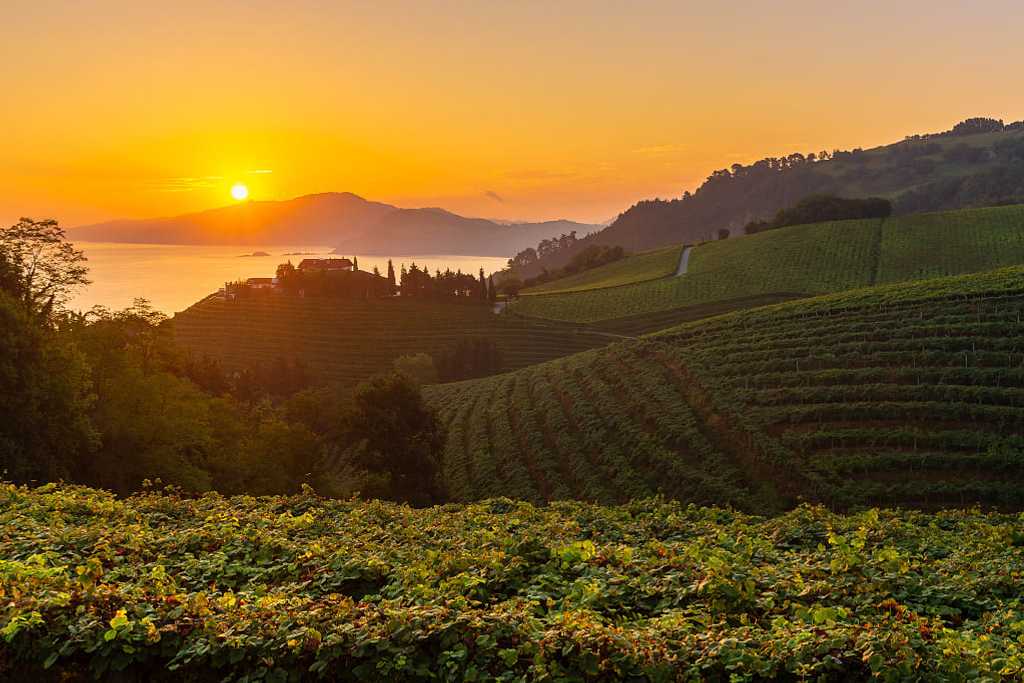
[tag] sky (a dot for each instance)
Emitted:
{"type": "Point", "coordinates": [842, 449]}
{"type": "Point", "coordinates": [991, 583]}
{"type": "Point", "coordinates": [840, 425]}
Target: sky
{"type": "Point", "coordinates": [512, 110]}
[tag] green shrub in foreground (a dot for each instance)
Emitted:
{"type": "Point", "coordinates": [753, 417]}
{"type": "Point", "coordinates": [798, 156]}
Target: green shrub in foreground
{"type": "Point", "coordinates": [159, 586]}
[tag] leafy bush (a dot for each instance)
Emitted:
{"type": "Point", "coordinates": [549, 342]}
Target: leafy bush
{"type": "Point", "coordinates": [390, 443]}
{"type": "Point", "coordinates": [165, 588]}
{"type": "Point", "coordinates": [824, 208]}
{"type": "Point", "coordinates": [418, 367]}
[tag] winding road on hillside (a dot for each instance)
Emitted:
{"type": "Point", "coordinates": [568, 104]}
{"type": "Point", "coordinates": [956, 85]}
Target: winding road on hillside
{"type": "Point", "coordinates": [684, 261]}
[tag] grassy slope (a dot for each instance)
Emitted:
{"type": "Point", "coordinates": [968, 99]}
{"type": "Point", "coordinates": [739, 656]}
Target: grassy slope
{"type": "Point", "coordinates": [649, 265]}
{"type": "Point", "coordinates": [782, 261]}
{"type": "Point", "coordinates": [348, 341]}
{"type": "Point", "coordinates": [163, 588]}
{"type": "Point", "coordinates": [809, 259]}
{"type": "Point", "coordinates": [936, 244]}
{"type": "Point", "coordinates": [834, 399]}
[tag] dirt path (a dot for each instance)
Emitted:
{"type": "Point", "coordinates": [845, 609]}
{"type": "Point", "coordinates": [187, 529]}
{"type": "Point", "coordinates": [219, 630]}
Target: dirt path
{"type": "Point", "coordinates": [684, 261]}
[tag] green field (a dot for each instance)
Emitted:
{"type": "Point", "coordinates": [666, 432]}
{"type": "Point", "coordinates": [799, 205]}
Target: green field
{"type": "Point", "coordinates": [909, 394]}
{"type": "Point", "coordinates": [808, 259]}
{"type": "Point", "coordinates": [936, 244]}
{"type": "Point", "coordinates": [349, 340]}
{"type": "Point", "coordinates": [649, 265]}
{"type": "Point", "coordinates": [159, 587]}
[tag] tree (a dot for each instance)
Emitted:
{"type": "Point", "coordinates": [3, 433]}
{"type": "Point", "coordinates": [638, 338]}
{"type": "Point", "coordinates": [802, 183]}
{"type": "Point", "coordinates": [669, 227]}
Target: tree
{"type": "Point", "coordinates": [723, 233]}
{"type": "Point", "coordinates": [492, 293]}
{"type": "Point", "coordinates": [977, 125]}
{"type": "Point", "coordinates": [511, 286]}
{"type": "Point", "coordinates": [355, 263]}
{"type": "Point", "coordinates": [8, 277]}
{"type": "Point", "coordinates": [483, 285]}
{"type": "Point", "coordinates": [418, 367]}
{"type": "Point", "coordinates": [46, 267]}
{"type": "Point", "coordinates": [285, 271]}
{"type": "Point", "coordinates": [392, 284]}
{"type": "Point", "coordinates": [822, 208]}
{"type": "Point", "coordinates": [394, 442]}
{"type": "Point", "coordinates": [45, 397]}
{"type": "Point", "coordinates": [277, 457]}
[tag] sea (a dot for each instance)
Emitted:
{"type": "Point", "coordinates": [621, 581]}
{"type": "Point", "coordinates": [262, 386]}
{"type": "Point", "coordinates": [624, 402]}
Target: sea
{"type": "Point", "coordinates": [173, 277]}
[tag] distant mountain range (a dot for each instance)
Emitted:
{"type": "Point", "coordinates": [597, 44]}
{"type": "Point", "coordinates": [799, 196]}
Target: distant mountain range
{"type": "Point", "coordinates": [352, 224]}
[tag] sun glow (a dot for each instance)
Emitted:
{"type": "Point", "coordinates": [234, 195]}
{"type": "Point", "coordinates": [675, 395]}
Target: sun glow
{"type": "Point", "coordinates": [239, 191]}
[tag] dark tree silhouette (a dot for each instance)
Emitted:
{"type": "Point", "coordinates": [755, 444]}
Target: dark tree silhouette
{"type": "Point", "coordinates": [394, 437]}
{"type": "Point", "coordinates": [46, 267]}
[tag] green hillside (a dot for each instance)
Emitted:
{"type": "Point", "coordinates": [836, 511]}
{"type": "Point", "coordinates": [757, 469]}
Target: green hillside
{"type": "Point", "coordinates": [649, 265]}
{"type": "Point", "coordinates": [976, 164]}
{"type": "Point", "coordinates": [161, 587]}
{"type": "Point", "coordinates": [349, 340]}
{"type": "Point", "coordinates": [910, 394]}
{"type": "Point", "coordinates": [809, 259]}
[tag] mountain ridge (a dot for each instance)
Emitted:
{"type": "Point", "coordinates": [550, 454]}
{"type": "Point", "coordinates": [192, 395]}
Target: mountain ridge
{"type": "Point", "coordinates": [343, 220]}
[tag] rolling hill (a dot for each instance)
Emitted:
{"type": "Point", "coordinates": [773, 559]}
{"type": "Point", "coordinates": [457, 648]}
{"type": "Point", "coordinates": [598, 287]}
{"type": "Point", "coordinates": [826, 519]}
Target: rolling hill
{"type": "Point", "coordinates": [902, 395]}
{"type": "Point", "coordinates": [355, 225]}
{"type": "Point", "coordinates": [635, 268]}
{"type": "Point", "coordinates": [979, 163]}
{"type": "Point", "coordinates": [350, 340]}
{"type": "Point", "coordinates": [799, 260]}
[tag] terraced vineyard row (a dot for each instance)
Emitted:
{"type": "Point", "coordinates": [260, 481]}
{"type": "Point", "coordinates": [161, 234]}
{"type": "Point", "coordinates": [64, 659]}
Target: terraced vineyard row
{"type": "Point", "coordinates": [604, 427]}
{"type": "Point", "coordinates": [897, 395]}
{"type": "Point", "coordinates": [936, 244]}
{"type": "Point", "coordinates": [809, 259]}
{"type": "Point", "coordinates": [344, 340]}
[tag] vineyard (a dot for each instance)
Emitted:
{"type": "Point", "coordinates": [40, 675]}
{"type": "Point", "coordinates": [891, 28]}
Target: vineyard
{"type": "Point", "coordinates": [808, 259]}
{"type": "Point", "coordinates": [159, 587]}
{"type": "Point", "coordinates": [649, 265]}
{"type": "Point", "coordinates": [349, 340]}
{"type": "Point", "coordinates": [909, 395]}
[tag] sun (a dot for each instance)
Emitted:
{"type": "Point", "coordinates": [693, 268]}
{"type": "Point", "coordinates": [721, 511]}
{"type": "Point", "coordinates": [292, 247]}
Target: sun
{"type": "Point", "coordinates": [239, 191]}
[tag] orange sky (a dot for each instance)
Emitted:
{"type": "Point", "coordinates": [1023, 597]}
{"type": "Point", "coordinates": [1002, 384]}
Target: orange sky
{"type": "Point", "coordinates": [511, 110]}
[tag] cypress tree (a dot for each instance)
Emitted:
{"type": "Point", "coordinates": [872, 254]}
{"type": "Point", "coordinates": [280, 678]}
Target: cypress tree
{"type": "Point", "coordinates": [391, 277]}
{"type": "Point", "coordinates": [492, 293]}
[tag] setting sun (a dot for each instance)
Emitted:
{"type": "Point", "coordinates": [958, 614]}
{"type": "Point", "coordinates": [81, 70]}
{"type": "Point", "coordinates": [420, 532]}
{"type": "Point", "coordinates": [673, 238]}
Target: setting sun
{"type": "Point", "coordinates": [239, 191]}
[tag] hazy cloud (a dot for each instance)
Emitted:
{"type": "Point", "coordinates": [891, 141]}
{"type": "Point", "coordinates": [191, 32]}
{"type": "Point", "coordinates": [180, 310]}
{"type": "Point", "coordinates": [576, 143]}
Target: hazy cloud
{"type": "Point", "coordinates": [495, 196]}
{"type": "Point", "coordinates": [185, 184]}
{"type": "Point", "coordinates": [259, 171]}
{"type": "Point", "coordinates": [661, 150]}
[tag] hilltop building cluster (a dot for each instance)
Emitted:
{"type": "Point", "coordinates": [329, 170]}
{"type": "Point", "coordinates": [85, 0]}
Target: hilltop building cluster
{"type": "Point", "coordinates": [232, 290]}
{"type": "Point", "coordinates": [341, 277]}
